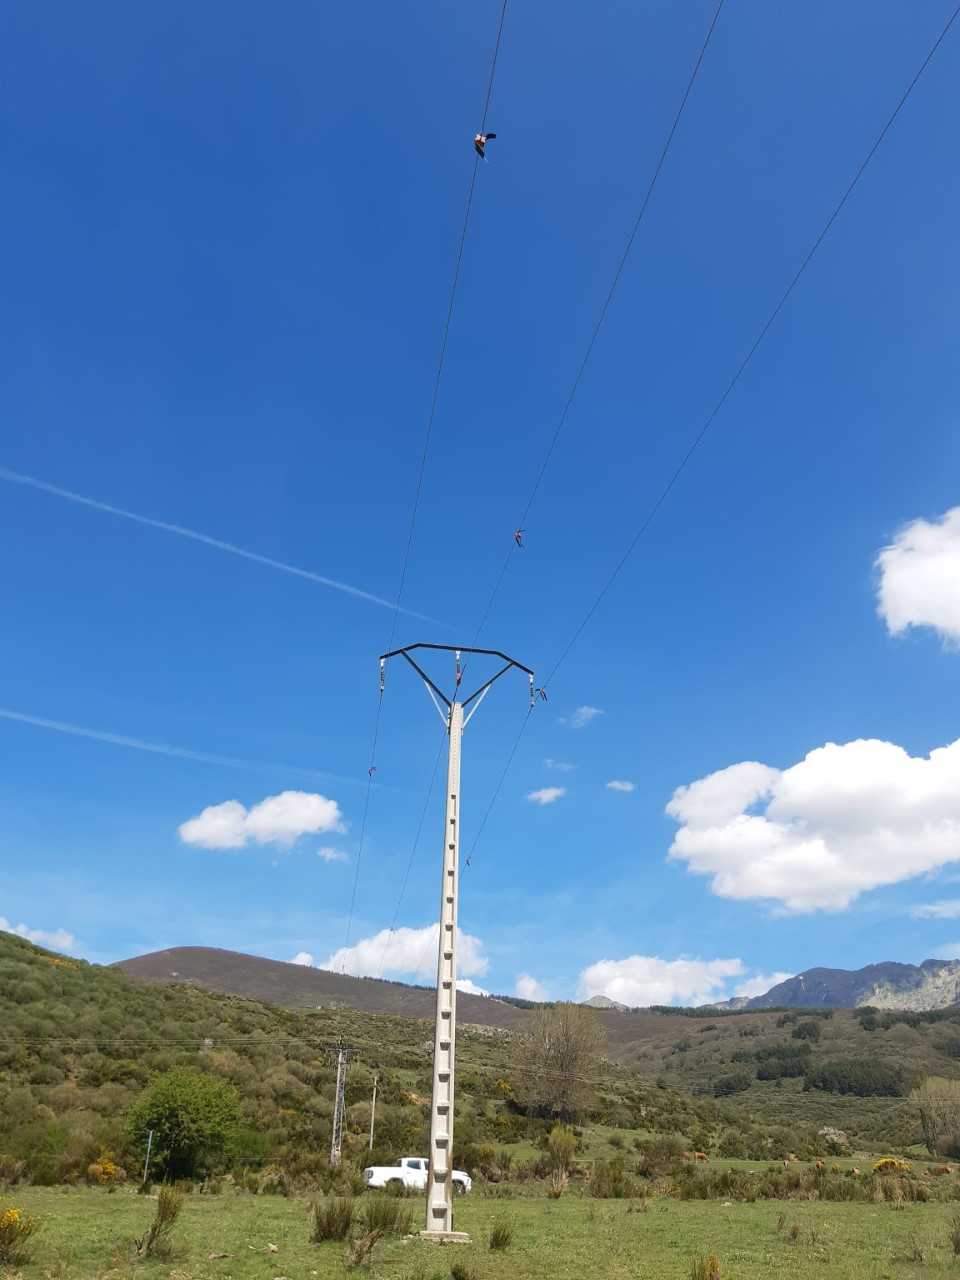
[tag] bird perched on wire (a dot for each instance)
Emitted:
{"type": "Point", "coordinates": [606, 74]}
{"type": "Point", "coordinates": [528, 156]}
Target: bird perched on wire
{"type": "Point", "coordinates": [518, 537]}
{"type": "Point", "coordinates": [480, 143]}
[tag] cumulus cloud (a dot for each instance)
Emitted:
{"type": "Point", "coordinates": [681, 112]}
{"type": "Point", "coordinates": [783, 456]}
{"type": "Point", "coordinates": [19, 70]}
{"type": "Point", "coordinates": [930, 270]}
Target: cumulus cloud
{"type": "Point", "coordinates": [56, 939]}
{"type": "Point", "coordinates": [546, 795]}
{"type": "Point", "coordinates": [528, 988]}
{"type": "Point", "coordinates": [919, 577]}
{"type": "Point", "coordinates": [646, 980]}
{"type": "Point", "coordinates": [303, 958]}
{"type": "Point", "coordinates": [470, 987]}
{"type": "Point", "coordinates": [845, 819]}
{"type": "Point", "coordinates": [760, 984]}
{"type": "Point", "coordinates": [412, 952]}
{"type": "Point", "coordinates": [620, 784]}
{"type": "Point", "coordinates": [946, 909]}
{"type": "Point", "coordinates": [280, 819]}
{"type": "Point", "coordinates": [561, 766]}
{"type": "Point", "coordinates": [581, 717]}
{"type": "Point", "coordinates": [332, 855]}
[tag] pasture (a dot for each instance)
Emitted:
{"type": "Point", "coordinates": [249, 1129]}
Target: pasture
{"type": "Point", "coordinates": [89, 1234]}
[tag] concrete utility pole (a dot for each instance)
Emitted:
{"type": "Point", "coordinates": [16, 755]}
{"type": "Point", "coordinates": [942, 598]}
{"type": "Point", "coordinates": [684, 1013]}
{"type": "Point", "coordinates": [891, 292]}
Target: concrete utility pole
{"type": "Point", "coordinates": [343, 1052]}
{"type": "Point", "coordinates": [439, 1218]}
{"type": "Point", "coordinates": [373, 1108]}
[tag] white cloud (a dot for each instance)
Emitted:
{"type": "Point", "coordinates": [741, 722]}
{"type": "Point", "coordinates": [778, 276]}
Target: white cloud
{"type": "Point", "coordinates": [332, 855]}
{"type": "Point", "coordinates": [948, 909]}
{"type": "Point", "coordinates": [528, 988]}
{"type": "Point", "coordinates": [280, 819]}
{"type": "Point", "coordinates": [561, 766]}
{"type": "Point", "coordinates": [470, 987]}
{"type": "Point", "coordinates": [919, 584]}
{"type": "Point", "coordinates": [646, 980]}
{"type": "Point", "coordinates": [947, 951]}
{"type": "Point", "coordinates": [760, 985]}
{"type": "Point", "coordinates": [620, 784]}
{"type": "Point", "coordinates": [57, 939]}
{"type": "Point", "coordinates": [845, 819]}
{"type": "Point", "coordinates": [546, 795]}
{"type": "Point", "coordinates": [581, 717]}
{"type": "Point", "coordinates": [304, 958]}
{"type": "Point", "coordinates": [407, 951]}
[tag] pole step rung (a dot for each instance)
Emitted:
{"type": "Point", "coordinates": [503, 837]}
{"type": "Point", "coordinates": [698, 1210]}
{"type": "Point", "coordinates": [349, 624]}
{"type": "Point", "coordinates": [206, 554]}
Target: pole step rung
{"type": "Point", "coordinates": [445, 1044]}
{"type": "Point", "coordinates": [441, 1139]}
{"type": "Point", "coordinates": [448, 955]}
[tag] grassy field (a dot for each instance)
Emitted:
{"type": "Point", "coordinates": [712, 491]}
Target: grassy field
{"type": "Point", "coordinates": [88, 1235]}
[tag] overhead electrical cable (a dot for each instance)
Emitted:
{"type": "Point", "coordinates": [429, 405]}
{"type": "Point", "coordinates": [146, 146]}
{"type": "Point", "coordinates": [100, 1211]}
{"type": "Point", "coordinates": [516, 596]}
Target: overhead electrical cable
{"type": "Point", "coordinates": [421, 470]}
{"type": "Point", "coordinates": [595, 333]}
{"type": "Point", "coordinates": [723, 398]}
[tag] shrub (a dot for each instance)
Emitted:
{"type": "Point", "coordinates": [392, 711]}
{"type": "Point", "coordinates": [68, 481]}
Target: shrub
{"type": "Point", "coordinates": [16, 1228]}
{"type": "Point", "coordinates": [358, 1254]}
{"type": "Point", "coordinates": [155, 1243]}
{"type": "Point", "coordinates": [562, 1144]}
{"type": "Point", "coordinates": [659, 1156]}
{"type": "Point", "coordinates": [501, 1236]}
{"type": "Point", "coordinates": [610, 1181]}
{"type": "Point", "coordinates": [705, 1268]}
{"type": "Point", "coordinates": [809, 1030]}
{"type": "Point", "coordinates": [462, 1271]}
{"type": "Point", "coordinates": [891, 1164]}
{"type": "Point", "coordinates": [388, 1215]}
{"type": "Point", "coordinates": [332, 1219]}
{"type": "Point", "coordinates": [862, 1077]}
{"type": "Point", "coordinates": [559, 1180]}
{"type": "Point", "coordinates": [733, 1083]}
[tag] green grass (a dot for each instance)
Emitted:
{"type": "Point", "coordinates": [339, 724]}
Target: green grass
{"type": "Point", "coordinates": [88, 1235]}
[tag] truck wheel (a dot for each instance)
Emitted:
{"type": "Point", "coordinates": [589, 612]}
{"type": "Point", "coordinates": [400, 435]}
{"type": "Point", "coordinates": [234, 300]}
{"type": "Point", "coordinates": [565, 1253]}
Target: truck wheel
{"type": "Point", "coordinates": [459, 1189]}
{"type": "Point", "coordinates": [394, 1184]}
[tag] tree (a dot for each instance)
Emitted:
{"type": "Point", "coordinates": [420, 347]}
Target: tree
{"type": "Point", "coordinates": [192, 1115]}
{"type": "Point", "coordinates": [556, 1059]}
{"type": "Point", "coordinates": [938, 1101]}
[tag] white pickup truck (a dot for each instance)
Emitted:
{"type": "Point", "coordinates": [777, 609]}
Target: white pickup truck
{"type": "Point", "coordinates": [411, 1171]}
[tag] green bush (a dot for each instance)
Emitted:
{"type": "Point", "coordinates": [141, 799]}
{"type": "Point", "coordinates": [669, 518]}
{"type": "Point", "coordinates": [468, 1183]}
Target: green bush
{"type": "Point", "coordinates": [610, 1180]}
{"type": "Point", "coordinates": [387, 1214]}
{"type": "Point", "coordinates": [192, 1116]}
{"type": "Point", "coordinates": [332, 1219]}
{"type": "Point", "coordinates": [501, 1236]}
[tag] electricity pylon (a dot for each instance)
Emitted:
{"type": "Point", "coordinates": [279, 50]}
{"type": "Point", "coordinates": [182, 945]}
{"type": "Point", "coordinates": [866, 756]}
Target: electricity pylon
{"type": "Point", "coordinates": [439, 1219]}
{"type": "Point", "coordinates": [343, 1052]}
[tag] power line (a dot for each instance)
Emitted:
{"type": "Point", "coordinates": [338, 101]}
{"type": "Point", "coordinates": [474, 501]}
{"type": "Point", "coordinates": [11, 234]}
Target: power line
{"type": "Point", "coordinates": [581, 370]}
{"type": "Point", "coordinates": [725, 395]}
{"type": "Point", "coordinates": [421, 470]}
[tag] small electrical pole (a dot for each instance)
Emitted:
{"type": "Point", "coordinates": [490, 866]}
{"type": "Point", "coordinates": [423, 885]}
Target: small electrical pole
{"type": "Point", "coordinates": [439, 1219]}
{"type": "Point", "coordinates": [146, 1163]}
{"type": "Point", "coordinates": [343, 1052]}
{"type": "Point", "coordinates": [373, 1109]}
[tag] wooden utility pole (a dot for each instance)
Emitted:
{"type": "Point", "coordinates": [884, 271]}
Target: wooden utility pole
{"type": "Point", "coordinates": [373, 1109]}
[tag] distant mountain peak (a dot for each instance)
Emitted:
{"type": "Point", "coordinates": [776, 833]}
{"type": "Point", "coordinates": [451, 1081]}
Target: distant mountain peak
{"type": "Point", "coordinates": [604, 1002]}
{"type": "Point", "coordinates": [934, 984]}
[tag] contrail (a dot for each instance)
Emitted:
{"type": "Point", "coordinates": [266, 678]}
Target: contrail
{"type": "Point", "coordinates": [16, 477]}
{"type": "Point", "coordinates": [162, 749]}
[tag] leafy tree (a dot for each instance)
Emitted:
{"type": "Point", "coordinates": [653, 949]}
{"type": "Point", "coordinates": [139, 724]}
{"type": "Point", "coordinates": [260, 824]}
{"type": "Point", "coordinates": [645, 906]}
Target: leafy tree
{"type": "Point", "coordinates": [862, 1077]}
{"type": "Point", "coordinates": [556, 1060]}
{"type": "Point", "coordinates": [736, 1082]}
{"type": "Point", "coordinates": [192, 1116]}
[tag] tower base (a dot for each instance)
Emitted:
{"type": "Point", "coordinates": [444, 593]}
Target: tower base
{"type": "Point", "coordinates": [445, 1237]}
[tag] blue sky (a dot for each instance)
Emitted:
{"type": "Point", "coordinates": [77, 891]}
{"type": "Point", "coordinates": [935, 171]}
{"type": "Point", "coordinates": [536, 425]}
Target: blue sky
{"type": "Point", "coordinates": [230, 239]}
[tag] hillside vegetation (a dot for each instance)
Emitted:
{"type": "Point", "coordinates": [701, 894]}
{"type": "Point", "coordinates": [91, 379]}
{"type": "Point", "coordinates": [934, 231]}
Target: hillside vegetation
{"type": "Point", "coordinates": [80, 1043]}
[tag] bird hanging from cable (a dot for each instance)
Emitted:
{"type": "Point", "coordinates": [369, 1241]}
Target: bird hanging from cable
{"type": "Point", "coordinates": [542, 692]}
{"type": "Point", "coordinates": [371, 771]}
{"type": "Point", "coordinates": [518, 537]}
{"type": "Point", "coordinates": [480, 143]}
